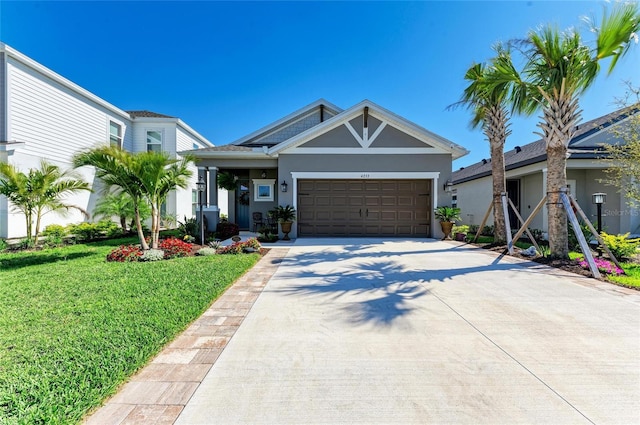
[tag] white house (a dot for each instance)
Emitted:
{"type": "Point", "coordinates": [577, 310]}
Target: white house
{"type": "Point", "coordinates": [45, 116]}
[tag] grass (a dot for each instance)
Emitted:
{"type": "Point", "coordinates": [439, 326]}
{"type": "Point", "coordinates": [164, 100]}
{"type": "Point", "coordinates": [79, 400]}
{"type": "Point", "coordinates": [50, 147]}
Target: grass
{"type": "Point", "coordinates": [74, 327]}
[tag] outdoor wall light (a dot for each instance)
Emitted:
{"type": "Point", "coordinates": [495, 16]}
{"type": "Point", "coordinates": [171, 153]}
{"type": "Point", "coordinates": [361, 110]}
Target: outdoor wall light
{"type": "Point", "coordinates": [448, 186]}
{"type": "Point", "coordinates": [201, 185]}
{"type": "Point", "coordinates": [284, 186]}
{"type": "Point", "coordinates": [599, 199]}
{"type": "Point", "coordinates": [264, 174]}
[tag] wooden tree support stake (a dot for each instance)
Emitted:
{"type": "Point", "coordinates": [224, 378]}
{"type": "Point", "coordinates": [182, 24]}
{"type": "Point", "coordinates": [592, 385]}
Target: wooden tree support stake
{"type": "Point", "coordinates": [484, 221]}
{"type": "Point", "coordinates": [526, 229]}
{"type": "Point", "coordinates": [507, 224]}
{"type": "Point", "coordinates": [576, 229]}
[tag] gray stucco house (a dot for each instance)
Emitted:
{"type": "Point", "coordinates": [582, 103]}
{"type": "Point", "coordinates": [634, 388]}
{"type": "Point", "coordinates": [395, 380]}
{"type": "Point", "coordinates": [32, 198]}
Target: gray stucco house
{"type": "Point", "coordinates": [363, 171]}
{"type": "Point", "coordinates": [526, 168]}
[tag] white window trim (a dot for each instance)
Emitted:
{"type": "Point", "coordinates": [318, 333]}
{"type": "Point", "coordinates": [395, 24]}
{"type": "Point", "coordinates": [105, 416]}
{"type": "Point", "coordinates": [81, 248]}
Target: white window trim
{"type": "Point", "coordinates": [146, 133]}
{"type": "Point", "coordinates": [263, 182]}
{"type": "Point", "coordinates": [122, 130]}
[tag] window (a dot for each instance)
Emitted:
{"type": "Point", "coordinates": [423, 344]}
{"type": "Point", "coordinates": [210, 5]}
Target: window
{"type": "Point", "coordinates": [115, 134]}
{"type": "Point", "coordinates": [154, 141]}
{"type": "Point", "coordinates": [194, 202]}
{"type": "Point", "coordinates": [263, 189]}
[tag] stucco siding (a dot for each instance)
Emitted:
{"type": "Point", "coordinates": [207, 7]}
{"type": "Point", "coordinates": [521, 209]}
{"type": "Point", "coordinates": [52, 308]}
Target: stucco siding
{"type": "Point", "coordinates": [473, 199]}
{"type": "Point", "coordinates": [530, 195]}
{"type": "Point", "coordinates": [391, 137]}
{"type": "Point", "coordinates": [339, 137]}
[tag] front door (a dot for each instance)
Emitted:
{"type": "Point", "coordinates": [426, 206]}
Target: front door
{"type": "Point", "coordinates": [242, 204]}
{"type": "Point", "coordinates": [513, 193]}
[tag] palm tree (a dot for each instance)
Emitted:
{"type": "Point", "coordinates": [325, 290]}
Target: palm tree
{"type": "Point", "coordinates": [159, 175]}
{"type": "Point", "coordinates": [489, 96]}
{"type": "Point", "coordinates": [144, 176]}
{"type": "Point", "coordinates": [119, 204]}
{"type": "Point", "coordinates": [117, 168]}
{"type": "Point", "coordinates": [40, 191]}
{"type": "Point", "coordinates": [560, 67]}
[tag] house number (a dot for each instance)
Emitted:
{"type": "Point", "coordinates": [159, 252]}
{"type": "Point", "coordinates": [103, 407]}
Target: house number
{"type": "Point", "coordinates": [365, 176]}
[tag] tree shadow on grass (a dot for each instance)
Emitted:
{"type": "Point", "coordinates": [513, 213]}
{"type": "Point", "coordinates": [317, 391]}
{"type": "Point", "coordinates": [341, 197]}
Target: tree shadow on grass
{"type": "Point", "coordinates": [36, 260]}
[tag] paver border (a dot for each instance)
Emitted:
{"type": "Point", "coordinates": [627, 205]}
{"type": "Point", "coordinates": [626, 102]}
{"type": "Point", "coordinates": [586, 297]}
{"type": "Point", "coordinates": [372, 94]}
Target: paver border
{"type": "Point", "coordinates": [159, 392]}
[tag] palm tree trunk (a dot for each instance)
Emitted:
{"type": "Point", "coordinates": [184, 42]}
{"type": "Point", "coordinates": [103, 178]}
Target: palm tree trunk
{"type": "Point", "coordinates": [123, 223]}
{"type": "Point", "coordinates": [38, 217]}
{"type": "Point", "coordinates": [154, 225]}
{"type": "Point", "coordinates": [29, 218]}
{"type": "Point", "coordinates": [143, 242]}
{"type": "Point", "coordinates": [558, 127]}
{"type": "Point", "coordinates": [556, 180]}
{"type": "Point", "coordinates": [497, 130]}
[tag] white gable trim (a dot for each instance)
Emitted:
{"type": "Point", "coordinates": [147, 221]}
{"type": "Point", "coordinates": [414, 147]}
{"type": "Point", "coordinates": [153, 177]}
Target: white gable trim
{"type": "Point", "coordinates": [365, 150]}
{"type": "Point", "coordinates": [381, 114]}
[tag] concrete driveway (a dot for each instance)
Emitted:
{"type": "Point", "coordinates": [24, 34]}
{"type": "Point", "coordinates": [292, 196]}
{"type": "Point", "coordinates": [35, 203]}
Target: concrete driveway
{"type": "Point", "coordinates": [423, 331]}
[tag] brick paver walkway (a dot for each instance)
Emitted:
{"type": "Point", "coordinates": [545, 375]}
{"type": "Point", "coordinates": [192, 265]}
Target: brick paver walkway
{"type": "Point", "coordinates": [159, 392]}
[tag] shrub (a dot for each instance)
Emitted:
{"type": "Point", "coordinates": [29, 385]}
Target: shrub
{"type": "Point", "coordinates": [54, 235]}
{"type": "Point", "coordinates": [487, 230]}
{"type": "Point", "coordinates": [152, 255]}
{"type": "Point", "coordinates": [238, 247]}
{"type": "Point", "coordinates": [85, 231]}
{"type": "Point", "coordinates": [463, 228]}
{"type": "Point", "coordinates": [215, 244]}
{"type": "Point", "coordinates": [3, 245]}
{"type": "Point", "coordinates": [108, 228]}
{"type": "Point", "coordinates": [125, 253]}
{"type": "Point", "coordinates": [189, 227]}
{"type": "Point", "coordinates": [234, 248]}
{"type": "Point", "coordinates": [174, 247]}
{"type": "Point", "coordinates": [55, 230]}
{"type": "Point", "coordinates": [224, 230]}
{"type": "Point", "coordinates": [207, 251]}
{"type": "Point", "coordinates": [620, 246]}
{"type": "Point", "coordinates": [252, 243]}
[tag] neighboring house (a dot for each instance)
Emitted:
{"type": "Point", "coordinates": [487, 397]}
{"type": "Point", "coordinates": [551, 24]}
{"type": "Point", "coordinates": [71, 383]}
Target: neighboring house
{"type": "Point", "coordinates": [363, 171]}
{"type": "Point", "coordinates": [526, 175]}
{"type": "Point", "coordinates": [45, 116]}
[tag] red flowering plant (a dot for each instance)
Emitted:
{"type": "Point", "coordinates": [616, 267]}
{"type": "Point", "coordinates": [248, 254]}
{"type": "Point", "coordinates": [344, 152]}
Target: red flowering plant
{"type": "Point", "coordinates": [174, 247]}
{"type": "Point", "coordinates": [125, 253]}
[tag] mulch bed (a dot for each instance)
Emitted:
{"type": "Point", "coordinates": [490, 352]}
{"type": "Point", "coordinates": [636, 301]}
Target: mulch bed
{"type": "Point", "coordinates": [558, 263]}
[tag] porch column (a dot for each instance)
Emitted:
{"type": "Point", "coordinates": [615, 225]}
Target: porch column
{"type": "Point", "coordinates": [545, 211]}
{"type": "Point", "coordinates": [210, 207]}
{"type": "Point", "coordinates": [212, 186]}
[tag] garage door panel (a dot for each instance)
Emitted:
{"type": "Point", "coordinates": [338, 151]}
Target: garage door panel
{"type": "Point", "coordinates": [364, 207]}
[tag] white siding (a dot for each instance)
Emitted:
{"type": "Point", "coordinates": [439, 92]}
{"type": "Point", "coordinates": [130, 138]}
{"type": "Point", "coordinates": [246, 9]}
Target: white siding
{"type": "Point", "coordinates": [53, 121]}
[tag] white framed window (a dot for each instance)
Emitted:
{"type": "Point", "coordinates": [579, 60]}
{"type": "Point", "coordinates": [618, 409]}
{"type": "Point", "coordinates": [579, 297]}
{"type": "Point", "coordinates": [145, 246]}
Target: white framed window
{"type": "Point", "coordinates": [263, 190]}
{"type": "Point", "coordinates": [154, 141]}
{"type": "Point", "coordinates": [194, 202]}
{"type": "Point", "coordinates": [115, 134]}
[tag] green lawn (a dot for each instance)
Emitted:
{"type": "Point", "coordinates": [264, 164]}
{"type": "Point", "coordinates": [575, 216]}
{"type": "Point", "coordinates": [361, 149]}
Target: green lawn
{"type": "Point", "coordinates": [73, 327]}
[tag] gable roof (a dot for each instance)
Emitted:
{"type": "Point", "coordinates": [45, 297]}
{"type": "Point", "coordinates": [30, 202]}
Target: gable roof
{"type": "Point", "coordinates": [535, 152]}
{"type": "Point", "coordinates": [260, 137]}
{"type": "Point", "coordinates": [395, 120]}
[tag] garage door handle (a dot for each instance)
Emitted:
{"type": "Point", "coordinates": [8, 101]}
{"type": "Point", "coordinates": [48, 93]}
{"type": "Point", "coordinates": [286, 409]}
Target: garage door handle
{"type": "Point", "coordinates": [367, 212]}
{"type": "Point", "coordinates": [360, 212]}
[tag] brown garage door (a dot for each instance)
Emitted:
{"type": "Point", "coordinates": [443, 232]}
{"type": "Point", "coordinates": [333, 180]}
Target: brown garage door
{"type": "Point", "coordinates": [364, 207]}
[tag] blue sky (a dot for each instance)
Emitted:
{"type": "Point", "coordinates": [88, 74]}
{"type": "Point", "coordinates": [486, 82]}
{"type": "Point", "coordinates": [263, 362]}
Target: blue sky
{"type": "Point", "coordinates": [229, 68]}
